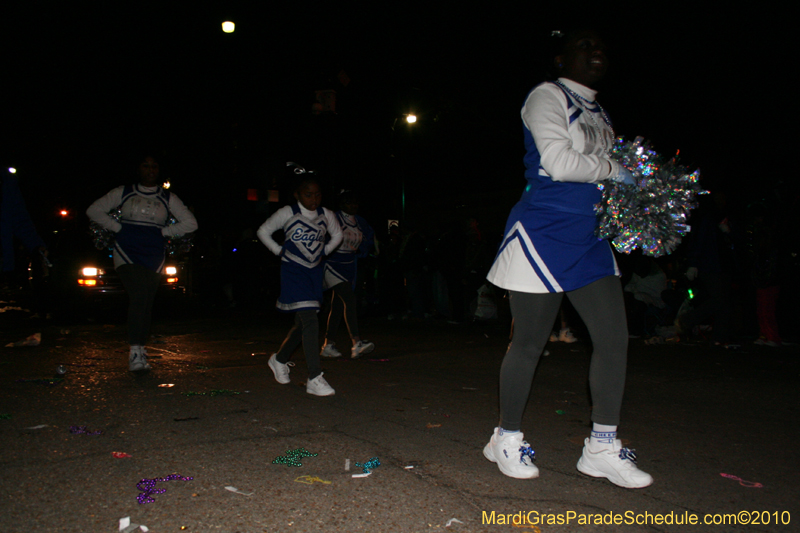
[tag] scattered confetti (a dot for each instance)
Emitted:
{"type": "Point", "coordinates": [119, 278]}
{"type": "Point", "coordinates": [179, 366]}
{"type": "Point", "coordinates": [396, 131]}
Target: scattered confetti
{"type": "Point", "coordinates": [310, 480]}
{"type": "Point", "coordinates": [42, 381]}
{"type": "Point", "coordinates": [81, 430]}
{"type": "Point", "coordinates": [453, 521]}
{"type": "Point", "coordinates": [125, 526]}
{"type": "Point", "coordinates": [430, 426]}
{"type": "Point", "coordinates": [212, 392]}
{"type": "Point", "coordinates": [120, 455]}
{"type": "Point", "coordinates": [237, 491]}
{"type": "Point", "coordinates": [742, 482]}
{"type": "Point", "coordinates": [32, 340]}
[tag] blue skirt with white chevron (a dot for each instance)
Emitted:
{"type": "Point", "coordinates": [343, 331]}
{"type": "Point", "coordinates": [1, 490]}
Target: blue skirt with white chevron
{"type": "Point", "coordinates": [301, 287]}
{"type": "Point", "coordinates": [545, 250]}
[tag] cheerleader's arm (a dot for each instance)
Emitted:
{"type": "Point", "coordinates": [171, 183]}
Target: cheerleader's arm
{"type": "Point", "coordinates": [334, 230]}
{"type": "Point", "coordinates": [273, 224]}
{"type": "Point", "coordinates": [187, 223]}
{"type": "Point", "coordinates": [98, 211]}
{"type": "Point", "coordinates": [546, 117]}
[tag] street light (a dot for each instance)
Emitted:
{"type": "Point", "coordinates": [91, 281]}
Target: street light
{"type": "Point", "coordinates": [411, 118]}
{"type": "Point", "coordinates": [228, 26]}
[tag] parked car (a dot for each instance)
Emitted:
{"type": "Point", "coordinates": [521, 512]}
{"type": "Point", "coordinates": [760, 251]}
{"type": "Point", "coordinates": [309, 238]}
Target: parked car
{"type": "Point", "coordinates": [83, 278]}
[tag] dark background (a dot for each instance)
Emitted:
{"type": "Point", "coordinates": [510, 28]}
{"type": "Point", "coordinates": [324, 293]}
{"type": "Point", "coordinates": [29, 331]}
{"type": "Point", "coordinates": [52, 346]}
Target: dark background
{"type": "Point", "coordinates": [90, 86]}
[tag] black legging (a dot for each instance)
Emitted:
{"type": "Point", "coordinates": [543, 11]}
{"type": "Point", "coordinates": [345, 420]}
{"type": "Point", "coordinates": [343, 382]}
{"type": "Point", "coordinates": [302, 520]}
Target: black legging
{"type": "Point", "coordinates": [305, 330]}
{"type": "Point", "coordinates": [141, 284]}
{"type": "Point", "coordinates": [343, 302]}
{"type": "Point", "coordinates": [601, 306]}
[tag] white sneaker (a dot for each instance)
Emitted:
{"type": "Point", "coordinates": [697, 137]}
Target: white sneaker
{"type": "Point", "coordinates": [615, 463]}
{"type": "Point", "coordinates": [137, 361]}
{"type": "Point", "coordinates": [565, 335]}
{"type": "Point", "coordinates": [361, 348]}
{"type": "Point", "coordinates": [319, 387]}
{"type": "Point", "coordinates": [329, 350]}
{"type": "Point", "coordinates": [514, 456]}
{"type": "Point", "coordinates": [280, 370]}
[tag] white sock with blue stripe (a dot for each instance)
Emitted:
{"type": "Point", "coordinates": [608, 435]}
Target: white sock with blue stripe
{"type": "Point", "coordinates": [602, 435]}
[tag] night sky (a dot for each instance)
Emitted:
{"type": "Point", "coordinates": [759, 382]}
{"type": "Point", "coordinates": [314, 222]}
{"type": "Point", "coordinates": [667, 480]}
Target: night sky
{"type": "Point", "coordinates": [89, 89]}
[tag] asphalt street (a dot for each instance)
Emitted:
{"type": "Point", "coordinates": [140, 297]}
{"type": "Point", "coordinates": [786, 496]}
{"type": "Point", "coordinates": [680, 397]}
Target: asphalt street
{"type": "Point", "coordinates": [717, 429]}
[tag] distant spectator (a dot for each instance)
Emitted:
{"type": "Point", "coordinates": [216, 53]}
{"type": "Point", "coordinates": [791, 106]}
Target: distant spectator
{"type": "Point", "coordinates": [16, 223]}
{"type": "Point", "coordinates": [711, 265]}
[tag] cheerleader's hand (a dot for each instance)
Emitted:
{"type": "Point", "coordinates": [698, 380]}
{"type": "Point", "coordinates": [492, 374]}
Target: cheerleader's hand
{"type": "Point", "coordinates": [624, 176]}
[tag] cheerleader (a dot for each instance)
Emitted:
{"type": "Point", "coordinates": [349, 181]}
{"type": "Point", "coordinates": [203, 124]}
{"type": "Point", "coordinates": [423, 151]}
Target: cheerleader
{"type": "Point", "coordinates": [550, 250]}
{"type": "Point", "coordinates": [306, 226]}
{"type": "Point", "coordinates": [340, 276]}
{"type": "Point", "coordinates": [139, 252]}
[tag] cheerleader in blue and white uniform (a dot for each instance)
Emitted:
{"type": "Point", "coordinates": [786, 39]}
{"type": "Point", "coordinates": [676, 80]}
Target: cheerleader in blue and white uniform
{"type": "Point", "coordinates": [139, 251]}
{"type": "Point", "coordinates": [341, 268]}
{"type": "Point", "coordinates": [550, 249]}
{"type": "Point", "coordinates": [306, 226]}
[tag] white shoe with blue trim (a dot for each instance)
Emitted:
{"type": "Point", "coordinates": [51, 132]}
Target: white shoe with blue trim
{"type": "Point", "coordinates": [514, 456]}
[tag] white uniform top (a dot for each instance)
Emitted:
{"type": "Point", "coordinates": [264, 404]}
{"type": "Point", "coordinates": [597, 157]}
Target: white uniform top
{"type": "Point", "coordinates": [279, 220]}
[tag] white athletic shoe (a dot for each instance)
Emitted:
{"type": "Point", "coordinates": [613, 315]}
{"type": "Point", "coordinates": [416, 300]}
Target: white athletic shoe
{"type": "Point", "coordinates": [280, 370]}
{"type": "Point", "coordinates": [565, 335]}
{"type": "Point", "coordinates": [329, 350]}
{"type": "Point", "coordinates": [137, 361]}
{"type": "Point", "coordinates": [319, 387]}
{"type": "Point", "coordinates": [361, 348]}
{"type": "Point", "coordinates": [514, 456]}
{"type": "Point", "coordinates": [613, 462]}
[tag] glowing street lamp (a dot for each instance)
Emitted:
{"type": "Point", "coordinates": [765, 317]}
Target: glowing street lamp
{"type": "Point", "coordinates": [411, 118]}
{"type": "Point", "coordinates": [228, 26]}
{"type": "Point", "coordinates": [12, 170]}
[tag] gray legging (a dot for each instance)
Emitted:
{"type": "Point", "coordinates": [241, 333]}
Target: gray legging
{"type": "Point", "coordinates": [141, 284]}
{"type": "Point", "coordinates": [343, 302]}
{"type": "Point", "coordinates": [601, 306]}
{"type": "Point", "coordinates": [305, 330]}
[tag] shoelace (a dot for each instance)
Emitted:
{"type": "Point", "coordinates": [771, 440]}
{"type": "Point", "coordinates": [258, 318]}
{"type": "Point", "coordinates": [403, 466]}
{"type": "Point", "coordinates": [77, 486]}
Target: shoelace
{"type": "Point", "coordinates": [526, 450]}
{"type": "Point", "coordinates": [627, 453]}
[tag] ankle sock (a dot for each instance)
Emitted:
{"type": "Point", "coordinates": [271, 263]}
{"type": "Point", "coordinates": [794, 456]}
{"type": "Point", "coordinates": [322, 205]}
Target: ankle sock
{"type": "Point", "coordinates": [603, 435]}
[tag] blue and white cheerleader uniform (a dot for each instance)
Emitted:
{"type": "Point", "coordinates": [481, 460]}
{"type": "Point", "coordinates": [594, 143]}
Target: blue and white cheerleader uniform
{"type": "Point", "coordinates": [305, 233]}
{"type": "Point", "coordinates": [549, 243]}
{"type": "Point", "coordinates": [140, 231]}
{"type": "Point", "coordinates": [357, 238]}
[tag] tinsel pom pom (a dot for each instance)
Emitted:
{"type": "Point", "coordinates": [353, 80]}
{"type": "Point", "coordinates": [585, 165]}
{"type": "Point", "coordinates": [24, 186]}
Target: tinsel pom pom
{"type": "Point", "coordinates": [177, 244]}
{"type": "Point", "coordinates": [653, 214]}
{"type": "Point", "coordinates": [104, 238]}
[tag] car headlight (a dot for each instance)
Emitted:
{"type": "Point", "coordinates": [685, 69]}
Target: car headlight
{"type": "Point", "coordinates": [171, 270]}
